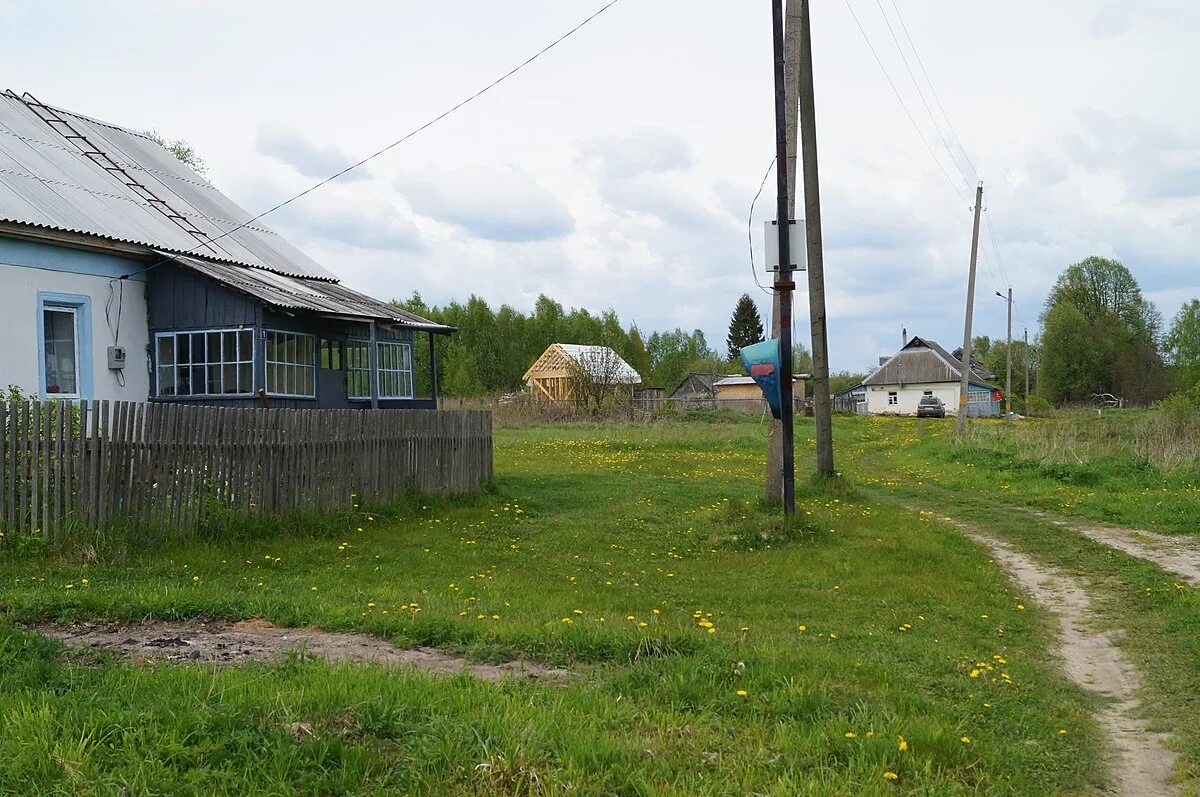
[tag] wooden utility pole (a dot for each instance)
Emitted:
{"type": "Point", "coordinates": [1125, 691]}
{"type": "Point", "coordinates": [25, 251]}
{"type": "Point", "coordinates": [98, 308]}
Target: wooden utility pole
{"type": "Point", "coordinates": [1027, 359]}
{"type": "Point", "coordinates": [1008, 361]}
{"type": "Point", "coordinates": [1008, 373]}
{"type": "Point", "coordinates": [791, 63]}
{"type": "Point", "coordinates": [784, 285]}
{"type": "Point", "coordinates": [822, 404]}
{"type": "Point", "coordinates": [964, 382]}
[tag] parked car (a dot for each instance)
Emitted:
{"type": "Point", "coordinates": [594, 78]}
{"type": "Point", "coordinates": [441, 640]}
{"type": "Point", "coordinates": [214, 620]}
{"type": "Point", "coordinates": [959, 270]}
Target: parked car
{"type": "Point", "coordinates": [931, 407]}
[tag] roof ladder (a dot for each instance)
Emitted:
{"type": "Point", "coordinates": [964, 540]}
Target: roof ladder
{"type": "Point", "coordinates": [90, 151]}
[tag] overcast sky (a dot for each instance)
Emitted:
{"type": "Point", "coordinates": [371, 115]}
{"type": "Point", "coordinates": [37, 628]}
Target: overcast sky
{"type": "Point", "coordinates": [617, 171]}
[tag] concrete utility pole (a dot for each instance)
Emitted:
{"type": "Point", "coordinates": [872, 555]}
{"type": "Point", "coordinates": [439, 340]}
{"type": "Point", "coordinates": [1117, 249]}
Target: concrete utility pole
{"type": "Point", "coordinates": [784, 285]}
{"type": "Point", "coordinates": [791, 62]}
{"type": "Point", "coordinates": [1008, 364]}
{"type": "Point", "coordinates": [1026, 370]}
{"type": "Point", "coordinates": [822, 404]}
{"type": "Point", "coordinates": [964, 384]}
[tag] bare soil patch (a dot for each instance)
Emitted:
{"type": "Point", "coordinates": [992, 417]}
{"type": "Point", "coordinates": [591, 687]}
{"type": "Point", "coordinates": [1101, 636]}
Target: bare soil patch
{"type": "Point", "coordinates": [1143, 765]}
{"type": "Point", "coordinates": [1177, 555]}
{"type": "Point", "coordinates": [221, 642]}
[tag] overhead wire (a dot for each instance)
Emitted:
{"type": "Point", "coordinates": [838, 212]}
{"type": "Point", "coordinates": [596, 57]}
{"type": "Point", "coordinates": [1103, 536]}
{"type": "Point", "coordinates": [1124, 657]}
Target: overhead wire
{"type": "Point", "coordinates": [999, 274]}
{"type": "Point", "coordinates": [946, 118]}
{"type": "Point", "coordinates": [933, 91]}
{"type": "Point", "coordinates": [750, 228]}
{"type": "Point", "coordinates": [908, 68]}
{"type": "Point", "coordinates": [415, 131]}
{"type": "Point", "coordinates": [904, 105]}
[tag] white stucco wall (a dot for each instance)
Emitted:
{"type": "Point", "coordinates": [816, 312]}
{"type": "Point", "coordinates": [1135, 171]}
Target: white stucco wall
{"type": "Point", "coordinates": [29, 270]}
{"type": "Point", "coordinates": [908, 396]}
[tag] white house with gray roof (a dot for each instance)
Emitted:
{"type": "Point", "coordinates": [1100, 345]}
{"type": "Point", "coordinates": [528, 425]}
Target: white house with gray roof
{"type": "Point", "coordinates": [924, 368]}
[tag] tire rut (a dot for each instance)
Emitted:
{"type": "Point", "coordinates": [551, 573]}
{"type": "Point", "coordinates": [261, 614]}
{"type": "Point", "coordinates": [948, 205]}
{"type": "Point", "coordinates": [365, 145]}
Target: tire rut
{"type": "Point", "coordinates": [1179, 556]}
{"type": "Point", "coordinates": [1143, 763]}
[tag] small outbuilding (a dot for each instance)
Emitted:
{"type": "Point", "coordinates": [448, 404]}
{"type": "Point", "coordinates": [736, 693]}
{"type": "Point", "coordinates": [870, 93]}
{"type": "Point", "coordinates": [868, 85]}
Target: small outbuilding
{"type": "Point", "coordinates": [552, 375]}
{"type": "Point", "coordinates": [742, 393]}
{"type": "Point", "coordinates": [698, 387]}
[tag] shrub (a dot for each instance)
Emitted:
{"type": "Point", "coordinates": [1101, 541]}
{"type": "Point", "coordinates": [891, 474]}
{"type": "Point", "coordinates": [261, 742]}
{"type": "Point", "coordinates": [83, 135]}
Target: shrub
{"type": "Point", "coordinates": [1181, 409]}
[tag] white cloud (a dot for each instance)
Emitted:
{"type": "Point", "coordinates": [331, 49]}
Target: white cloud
{"type": "Point", "coordinates": [494, 204]}
{"type": "Point", "coordinates": [308, 158]}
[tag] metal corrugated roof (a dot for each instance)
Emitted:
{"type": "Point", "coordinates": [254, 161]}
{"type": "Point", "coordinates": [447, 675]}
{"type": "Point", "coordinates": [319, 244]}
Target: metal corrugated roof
{"type": "Point", "coordinates": [46, 181]}
{"type": "Point", "coordinates": [305, 295]}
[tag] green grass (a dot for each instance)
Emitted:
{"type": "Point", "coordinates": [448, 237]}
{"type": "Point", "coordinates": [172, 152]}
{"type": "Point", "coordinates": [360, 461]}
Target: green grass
{"type": "Point", "coordinates": [1158, 618]}
{"type": "Point", "coordinates": [589, 526]}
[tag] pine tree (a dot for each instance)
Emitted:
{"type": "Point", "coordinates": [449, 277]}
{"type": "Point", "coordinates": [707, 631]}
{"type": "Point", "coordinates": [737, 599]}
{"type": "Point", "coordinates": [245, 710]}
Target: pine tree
{"type": "Point", "coordinates": [745, 328]}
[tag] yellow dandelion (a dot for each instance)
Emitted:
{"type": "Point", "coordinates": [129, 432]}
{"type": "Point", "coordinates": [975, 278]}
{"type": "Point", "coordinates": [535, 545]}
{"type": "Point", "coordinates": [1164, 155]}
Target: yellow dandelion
{"type": "Point", "coordinates": [851, 735]}
{"type": "Point", "coordinates": [742, 693]}
{"type": "Point", "coordinates": [903, 745]}
{"type": "Point", "coordinates": [965, 740]}
{"type": "Point", "coordinates": [890, 776]}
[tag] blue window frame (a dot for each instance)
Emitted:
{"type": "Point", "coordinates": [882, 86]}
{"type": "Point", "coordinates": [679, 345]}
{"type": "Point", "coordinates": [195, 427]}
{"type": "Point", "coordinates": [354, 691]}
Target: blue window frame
{"type": "Point", "coordinates": [64, 327]}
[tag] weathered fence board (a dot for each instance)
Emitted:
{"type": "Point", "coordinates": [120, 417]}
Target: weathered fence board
{"type": "Point", "coordinates": [94, 464]}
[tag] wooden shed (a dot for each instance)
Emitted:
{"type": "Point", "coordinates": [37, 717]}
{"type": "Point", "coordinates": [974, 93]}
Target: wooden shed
{"type": "Point", "coordinates": [550, 375]}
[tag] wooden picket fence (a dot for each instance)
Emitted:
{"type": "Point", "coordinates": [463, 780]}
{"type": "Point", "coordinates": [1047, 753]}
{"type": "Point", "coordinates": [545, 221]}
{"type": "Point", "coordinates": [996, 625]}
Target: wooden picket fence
{"type": "Point", "coordinates": [70, 465]}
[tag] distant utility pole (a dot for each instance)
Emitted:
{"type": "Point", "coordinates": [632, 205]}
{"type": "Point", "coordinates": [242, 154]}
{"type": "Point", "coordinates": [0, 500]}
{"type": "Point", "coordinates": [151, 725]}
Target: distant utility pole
{"type": "Point", "coordinates": [1008, 357]}
{"type": "Point", "coordinates": [784, 285]}
{"type": "Point", "coordinates": [791, 59]}
{"type": "Point", "coordinates": [1027, 359]}
{"type": "Point", "coordinates": [822, 405]}
{"type": "Point", "coordinates": [964, 383]}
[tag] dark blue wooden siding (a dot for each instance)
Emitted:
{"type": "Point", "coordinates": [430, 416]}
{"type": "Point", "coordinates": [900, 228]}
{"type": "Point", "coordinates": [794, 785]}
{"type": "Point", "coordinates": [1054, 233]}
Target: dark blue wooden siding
{"type": "Point", "coordinates": [180, 300]}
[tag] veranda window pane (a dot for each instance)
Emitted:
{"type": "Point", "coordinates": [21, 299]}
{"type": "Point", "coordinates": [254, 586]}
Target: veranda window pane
{"type": "Point", "coordinates": [166, 381]}
{"type": "Point", "coordinates": [166, 350]}
{"type": "Point", "coordinates": [245, 377]}
{"type": "Point", "coordinates": [183, 348]}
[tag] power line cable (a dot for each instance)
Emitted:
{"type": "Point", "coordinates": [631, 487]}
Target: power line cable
{"type": "Point", "coordinates": [996, 248]}
{"type": "Point", "coordinates": [908, 68]}
{"type": "Point", "coordinates": [933, 91]}
{"type": "Point", "coordinates": [403, 138]}
{"type": "Point", "coordinates": [895, 91]}
{"type": "Point", "coordinates": [750, 227]}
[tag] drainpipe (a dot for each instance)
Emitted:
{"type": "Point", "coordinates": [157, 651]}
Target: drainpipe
{"type": "Point", "coordinates": [373, 359]}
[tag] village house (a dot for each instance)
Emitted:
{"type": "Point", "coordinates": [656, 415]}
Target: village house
{"type": "Point", "coordinates": [923, 368]}
{"type": "Point", "coordinates": [124, 274]}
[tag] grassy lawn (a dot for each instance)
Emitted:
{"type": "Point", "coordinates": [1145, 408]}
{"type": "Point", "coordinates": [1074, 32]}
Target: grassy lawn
{"type": "Point", "coordinates": [866, 650]}
{"type": "Point", "coordinates": [998, 472]}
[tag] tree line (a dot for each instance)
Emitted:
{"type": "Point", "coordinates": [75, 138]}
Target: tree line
{"type": "Point", "coordinates": [1101, 335]}
{"type": "Point", "coordinates": [493, 348]}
